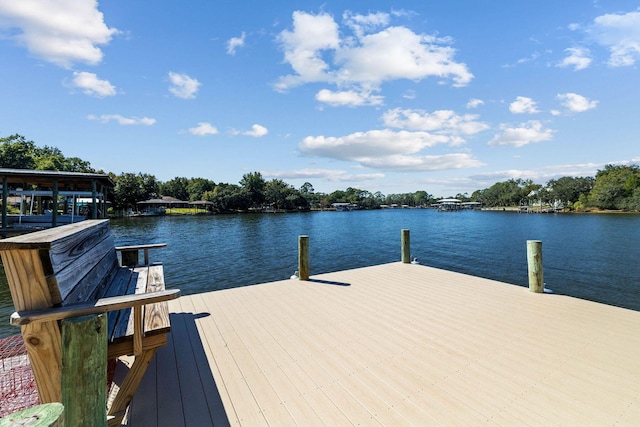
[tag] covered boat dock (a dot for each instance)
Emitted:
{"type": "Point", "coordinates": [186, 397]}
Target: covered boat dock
{"type": "Point", "coordinates": [58, 187]}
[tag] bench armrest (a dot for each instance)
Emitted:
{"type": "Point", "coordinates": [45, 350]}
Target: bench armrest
{"type": "Point", "coordinates": [134, 250]}
{"type": "Point", "coordinates": [102, 305]}
{"type": "Point", "coordinates": [139, 247]}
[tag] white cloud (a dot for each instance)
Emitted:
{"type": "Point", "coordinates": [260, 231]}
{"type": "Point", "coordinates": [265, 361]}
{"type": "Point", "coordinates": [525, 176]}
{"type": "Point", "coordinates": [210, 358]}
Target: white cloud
{"type": "Point", "coordinates": [203, 129]}
{"type": "Point", "coordinates": [234, 43]}
{"type": "Point", "coordinates": [540, 174]}
{"type": "Point", "coordinates": [578, 57]}
{"type": "Point", "coordinates": [522, 105]}
{"type": "Point", "coordinates": [303, 48]}
{"type": "Point", "coordinates": [527, 133]}
{"type": "Point", "coordinates": [398, 53]}
{"type": "Point", "coordinates": [92, 85]}
{"type": "Point", "coordinates": [400, 150]}
{"type": "Point", "coordinates": [620, 33]}
{"type": "Point", "coordinates": [256, 131]}
{"type": "Point", "coordinates": [475, 103]}
{"type": "Point", "coordinates": [409, 94]}
{"type": "Point", "coordinates": [62, 32]}
{"type": "Point", "coordinates": [184, 87]}
{"type": "Point", "coordinates": [318, 51]}
{"type": "Point", "coordinates": [365, 145]}
{"type": "Point", "coordinates": [361, 24]}
{"type": "Point", "coordinates": [334, 175]}
{"type": "Point", "coordinates": [442, 122]}
{"type": "Point", "coordinates": [576, 103]}
{"type": "Point", "coordinates": [121, 120]}
{"type": "Point", "coordinates": [531, 58]}
{"type": "Point", "coordinates": [348, 98]}
{"type": "Point", "coordinates": [423, 163]}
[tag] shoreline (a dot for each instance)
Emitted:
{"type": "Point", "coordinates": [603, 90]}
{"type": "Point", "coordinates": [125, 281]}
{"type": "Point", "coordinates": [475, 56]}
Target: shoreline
{"type": "Point", "coordinates": [590, 211]}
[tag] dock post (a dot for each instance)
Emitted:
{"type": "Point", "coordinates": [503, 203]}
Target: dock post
{"type": "Point", "coordinates": [54, 211]}
{"type": "Point", "coordinates": [405, 242]}
{"type": "Point", "coordinates": [84, 370]}
{"type": "Point", "coordinates": [534, 261]}
{"type": "Point", "coordinates": [5, 197]}
{"type": "Point", "coordinates": [303, 257]}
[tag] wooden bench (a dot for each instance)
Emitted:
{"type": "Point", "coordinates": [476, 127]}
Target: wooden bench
{"type": "Point", "coordinates": [72, 271]}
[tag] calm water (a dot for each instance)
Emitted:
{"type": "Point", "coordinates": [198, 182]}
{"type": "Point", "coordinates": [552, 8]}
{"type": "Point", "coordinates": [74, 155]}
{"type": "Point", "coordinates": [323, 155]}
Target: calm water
{"type": "Point", "coordinates": [594, 257]}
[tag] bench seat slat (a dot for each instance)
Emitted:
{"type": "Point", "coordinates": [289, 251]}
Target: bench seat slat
{"type": "Point", "coordinates": [156, 315]}
{"type": "Point", "coordinates": [119, 286]}
{"type": "Point", "coordinates": [138, 286]}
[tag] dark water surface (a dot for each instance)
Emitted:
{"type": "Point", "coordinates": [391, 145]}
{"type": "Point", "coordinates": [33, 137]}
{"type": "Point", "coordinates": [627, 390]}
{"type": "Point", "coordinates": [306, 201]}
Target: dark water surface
{"type": "Point", "coordinates": [595, 257]}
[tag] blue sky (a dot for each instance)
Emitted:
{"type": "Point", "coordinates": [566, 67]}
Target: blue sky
{"type": "Point", "coordinates": [446, 97]}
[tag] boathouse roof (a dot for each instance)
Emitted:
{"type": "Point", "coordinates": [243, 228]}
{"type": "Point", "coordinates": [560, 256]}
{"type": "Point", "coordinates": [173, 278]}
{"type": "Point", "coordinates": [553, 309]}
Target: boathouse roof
{"type": "Point", "coordinates": [165, 200]}
{"type": "Point", "coordinates": [46, 178]}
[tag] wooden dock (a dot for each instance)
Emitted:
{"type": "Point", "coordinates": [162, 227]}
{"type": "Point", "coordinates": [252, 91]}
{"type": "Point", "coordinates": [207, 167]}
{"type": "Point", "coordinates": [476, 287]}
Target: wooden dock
{"type": "Point", "coordinates": [395, 344]}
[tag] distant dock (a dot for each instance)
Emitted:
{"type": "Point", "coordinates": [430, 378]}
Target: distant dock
{"type": "Point", "coordinates": [394, 344]}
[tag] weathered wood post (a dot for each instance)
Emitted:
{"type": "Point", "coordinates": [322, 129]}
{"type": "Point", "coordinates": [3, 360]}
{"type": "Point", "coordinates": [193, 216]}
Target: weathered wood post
{"type": "Point", "coordinates": [534, 261]}
{"type": "Point", "coordinates": [303, 257]}
{"type": "Point", "coordinates": [5, 197]}
{"type": "Point", "coordinates": [54, 211]}
{"type": "Point", "coordinates": [129, 258]}
{"type": "Point", "coordinates": [94, 198]}
{"type": "Point", "coordinates": [84, 370]}
{"type": "Point", "coordinates": [405, 243]}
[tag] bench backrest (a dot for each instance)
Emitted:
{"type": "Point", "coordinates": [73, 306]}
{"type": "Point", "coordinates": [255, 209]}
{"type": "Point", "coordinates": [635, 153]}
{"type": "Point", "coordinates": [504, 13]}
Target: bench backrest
{"type": "Point", "coordinates": [59, 266]}
{"type": "Point", "coordinates": [53, 267]}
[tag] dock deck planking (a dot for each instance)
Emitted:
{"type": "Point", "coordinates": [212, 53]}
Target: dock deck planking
{"type": "Point", "coordinates": [396, 344]}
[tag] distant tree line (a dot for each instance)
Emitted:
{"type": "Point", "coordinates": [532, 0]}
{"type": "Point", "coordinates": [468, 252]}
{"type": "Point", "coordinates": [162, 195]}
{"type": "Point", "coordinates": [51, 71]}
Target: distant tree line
{"type": "Point", "coordinates": [615, 187]}
{"type": "Point", "coordinates": [18, 153]}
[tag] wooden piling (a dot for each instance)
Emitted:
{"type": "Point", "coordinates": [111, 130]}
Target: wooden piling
{"type": "Point", "coordinates": [405, 243]}
{"type": "Point", "coordinates": [54, 211]}
{"type": "Point", "coordinates": [303, 257]}
{"type": "Point", "coordinates": [84, 370]}
{"type": "Point", "coordinates": [534, 261]}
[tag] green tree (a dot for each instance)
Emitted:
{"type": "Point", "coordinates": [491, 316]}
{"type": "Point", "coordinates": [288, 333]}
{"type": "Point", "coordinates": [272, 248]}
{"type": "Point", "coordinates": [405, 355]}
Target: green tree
{"type": "Point", "coordinates": [132, 188]}
{"type": "Point", "coordinates": [276, 193]}
{"type": "Point", "coordinates": [254, 184]}
{"type": "Point", "coordinates": [614, 185]}
{"type": "Point", "coordinates": [198, 186]}
{"type": "Point", "coordinates": [422, 198]}
{"type": "Point", "coordinates": [632, 203]}
{"type": "Point", "coordinates": [569, 189]}
{"type": "Point", "coordinates": [149, 187]}
{"type": "Point", "coordinates": [284, 196]}
{"type": "Point", "coordinates": [512, 192]}
{"type": "Point", "coordinates": [176, 187]}
{"type": "Point", "coordinates": [228, 198]}
{"type": "Point", "coordinates": [126, 193]}
{"type": "Point", "coordinates": [17, 153]}
{"type": "Point", "coordinates": [337, 196]}
{"type": "Point", "coordinates": [307, 188]}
